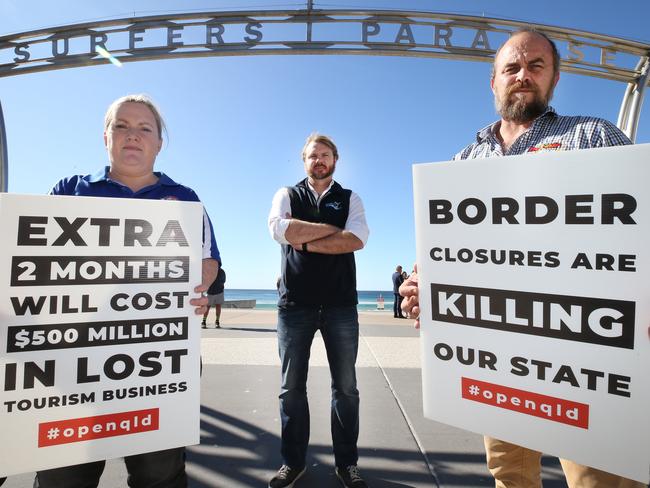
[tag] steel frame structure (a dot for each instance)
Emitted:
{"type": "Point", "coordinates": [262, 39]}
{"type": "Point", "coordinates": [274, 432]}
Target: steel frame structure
{"type": "Point", "coordinates": [377, 33]}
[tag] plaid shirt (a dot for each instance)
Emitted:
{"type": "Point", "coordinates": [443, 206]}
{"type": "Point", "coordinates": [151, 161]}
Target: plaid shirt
{"type": "Point", "coordinates": [549, 132]}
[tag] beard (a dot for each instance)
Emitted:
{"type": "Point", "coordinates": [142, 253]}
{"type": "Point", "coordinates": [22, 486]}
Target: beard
{"type": "Point", "coordinates": [516, 109]}
{"type": "Point", "coordinates": [321, 176]}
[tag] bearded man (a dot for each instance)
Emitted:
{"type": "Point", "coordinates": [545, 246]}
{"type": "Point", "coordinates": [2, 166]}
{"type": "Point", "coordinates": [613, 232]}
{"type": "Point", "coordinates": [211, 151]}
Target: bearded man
{"type": "Point", "coordinates": [319, 225]}
{"type": "Point", "coordinates": [525, 72]}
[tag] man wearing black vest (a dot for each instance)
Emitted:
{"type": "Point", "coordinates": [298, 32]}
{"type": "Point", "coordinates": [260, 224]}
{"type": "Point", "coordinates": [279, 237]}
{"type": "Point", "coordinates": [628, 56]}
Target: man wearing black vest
{"type": "Point", "coordinates": [319, 225]}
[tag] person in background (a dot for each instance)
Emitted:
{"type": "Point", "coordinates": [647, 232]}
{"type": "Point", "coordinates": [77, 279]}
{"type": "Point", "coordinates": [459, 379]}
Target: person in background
{"type": "Point", "coordinates": [215, 298]}
{"type": "Point", "coordinates": [525, 72]}
{"type": "Point", "coordinates": [133, 130]}
{"type": "Point", "coordinates": [398, 279]}
{"type": "Point", "coordinates": [319, 225]}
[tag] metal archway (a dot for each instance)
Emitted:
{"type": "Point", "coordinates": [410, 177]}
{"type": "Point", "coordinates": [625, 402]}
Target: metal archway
{"type": "Point", "coordinates": [315, 31]}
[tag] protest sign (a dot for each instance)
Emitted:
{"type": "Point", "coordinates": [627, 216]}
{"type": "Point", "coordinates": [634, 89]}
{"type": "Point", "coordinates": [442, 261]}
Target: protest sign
{"type": "Point", "coordinates": [535, 301]}
{"type": "Point", "coordinates": [99, 346]}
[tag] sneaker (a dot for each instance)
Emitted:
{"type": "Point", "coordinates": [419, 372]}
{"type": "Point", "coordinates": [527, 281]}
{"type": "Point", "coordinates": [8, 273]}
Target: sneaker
{"type": "Point", "coordinates": [203, 325]}
{"type": "Point", "coordinates": [286, 477]}
{"type": "Point", "coordinates": [217, 324]}
{"type": "Point", "coordinates": [350, 477]}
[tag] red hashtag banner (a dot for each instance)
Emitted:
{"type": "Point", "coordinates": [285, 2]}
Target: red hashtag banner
{"type": "Point", "coordinates": [87, 428]}
{"type": "Point", "coordinates": [526, 402]}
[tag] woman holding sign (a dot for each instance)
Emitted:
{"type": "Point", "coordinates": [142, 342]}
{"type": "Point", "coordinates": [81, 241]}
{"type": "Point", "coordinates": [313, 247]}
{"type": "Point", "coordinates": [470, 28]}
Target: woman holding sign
{"type": "Point", "coordinates": [133, 131]}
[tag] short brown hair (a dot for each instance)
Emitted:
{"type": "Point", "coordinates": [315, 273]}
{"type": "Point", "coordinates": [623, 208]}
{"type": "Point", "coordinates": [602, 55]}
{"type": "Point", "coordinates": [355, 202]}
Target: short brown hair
{"type": "Point", "coordinates": [323, 139]}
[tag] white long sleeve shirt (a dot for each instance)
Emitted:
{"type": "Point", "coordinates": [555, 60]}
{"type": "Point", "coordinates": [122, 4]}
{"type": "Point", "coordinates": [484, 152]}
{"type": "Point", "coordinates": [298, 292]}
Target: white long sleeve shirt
{"type": "Point", "coordinates": [280, 215]}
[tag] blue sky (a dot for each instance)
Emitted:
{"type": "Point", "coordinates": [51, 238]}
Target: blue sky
{"type": "Point", "coordinates": [237, 124]}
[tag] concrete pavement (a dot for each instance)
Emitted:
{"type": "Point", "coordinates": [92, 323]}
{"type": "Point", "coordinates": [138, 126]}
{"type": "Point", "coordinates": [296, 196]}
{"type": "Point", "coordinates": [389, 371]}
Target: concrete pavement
{"type": "Point", "coordinates": [240, 421]}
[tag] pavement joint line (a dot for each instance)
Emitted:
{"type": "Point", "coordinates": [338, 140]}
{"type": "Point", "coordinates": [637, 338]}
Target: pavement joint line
{"type": "Point", "coordinates": [430, 467]}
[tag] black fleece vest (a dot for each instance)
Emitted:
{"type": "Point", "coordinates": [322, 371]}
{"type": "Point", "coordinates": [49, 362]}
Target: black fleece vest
{"type": "Point", "coordinates": [318, 279]}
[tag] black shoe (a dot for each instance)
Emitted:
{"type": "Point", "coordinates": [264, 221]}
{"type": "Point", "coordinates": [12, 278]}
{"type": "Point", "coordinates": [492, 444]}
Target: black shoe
{"type": "Point", "coordinates": [217, 324]}
{"type": "Point", "coordinates": [350, 477]}
{"type": "Point", "coordinates": [203, 325]}
{"type": "Point", "coordinates": [286, 477]}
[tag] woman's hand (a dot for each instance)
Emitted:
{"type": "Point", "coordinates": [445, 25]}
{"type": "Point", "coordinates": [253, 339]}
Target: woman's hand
{"type": "Point", "coordinates": [209, 270]}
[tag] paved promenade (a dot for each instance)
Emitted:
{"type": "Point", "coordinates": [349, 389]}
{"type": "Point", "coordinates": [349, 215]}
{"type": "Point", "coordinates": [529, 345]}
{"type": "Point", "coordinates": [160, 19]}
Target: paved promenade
{"type": "Point", "coordinates": [240, 421]}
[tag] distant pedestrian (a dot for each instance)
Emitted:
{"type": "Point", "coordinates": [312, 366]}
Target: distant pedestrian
{"type": "Point", "coordinates": [319, 225]}
{"type": "Point", "coordinates": [398, 279]}
{"type": "Point", "coordinates": [215, 298]}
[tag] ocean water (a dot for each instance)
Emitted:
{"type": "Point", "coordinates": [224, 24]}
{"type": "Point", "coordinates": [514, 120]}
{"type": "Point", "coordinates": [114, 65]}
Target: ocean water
{"type": "Point", "coordinates": [268, 299]}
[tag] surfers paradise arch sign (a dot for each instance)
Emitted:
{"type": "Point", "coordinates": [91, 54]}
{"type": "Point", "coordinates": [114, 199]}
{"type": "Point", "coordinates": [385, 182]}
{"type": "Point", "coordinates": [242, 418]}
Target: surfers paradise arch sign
{"type": "Point", "coordinates": [315, 31]}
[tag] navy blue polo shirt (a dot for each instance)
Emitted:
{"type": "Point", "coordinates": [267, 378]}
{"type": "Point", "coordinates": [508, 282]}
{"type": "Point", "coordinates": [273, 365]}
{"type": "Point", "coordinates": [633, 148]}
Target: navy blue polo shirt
{"type": "Point", "coordinates": [100, 185]}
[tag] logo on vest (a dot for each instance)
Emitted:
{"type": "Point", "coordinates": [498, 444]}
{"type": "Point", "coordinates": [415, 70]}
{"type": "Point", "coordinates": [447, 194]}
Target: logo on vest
{"type": "Point", "coordinates": [333, 205]}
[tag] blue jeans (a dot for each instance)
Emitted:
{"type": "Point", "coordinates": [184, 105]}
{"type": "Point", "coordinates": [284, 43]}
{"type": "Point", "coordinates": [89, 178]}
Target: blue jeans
{"type": "Point", "coordinates": [159, 469]}
{"type": "Point", "coordinates": [339, 327]}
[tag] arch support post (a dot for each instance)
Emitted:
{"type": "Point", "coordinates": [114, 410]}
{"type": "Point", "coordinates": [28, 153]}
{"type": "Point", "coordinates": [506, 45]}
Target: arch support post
{"type": "Point", "coordinates": [4, 162]}
{"type": "Point", "coordinates": [630, 112]}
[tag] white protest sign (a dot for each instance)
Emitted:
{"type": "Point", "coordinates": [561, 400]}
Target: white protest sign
{"type": "Point", "coordinates": [99, 346]}
{"type": "Point", "coordinates": [535, 298]}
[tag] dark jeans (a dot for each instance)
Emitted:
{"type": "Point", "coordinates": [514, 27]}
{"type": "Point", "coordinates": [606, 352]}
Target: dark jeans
{"type": "Point", "coordinates": [160, 469]}
{"type": "Point", "coordinates": [339, 327]}
{"type": "Point", "coordinates": [397, 305]}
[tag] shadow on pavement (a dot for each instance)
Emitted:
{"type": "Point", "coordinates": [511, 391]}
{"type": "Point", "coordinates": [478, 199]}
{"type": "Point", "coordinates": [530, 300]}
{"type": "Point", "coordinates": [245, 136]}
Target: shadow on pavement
{"type": "Point", "coordinates": [236, 452]}
{"type": "Point", "coordinates": [250, 329]}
